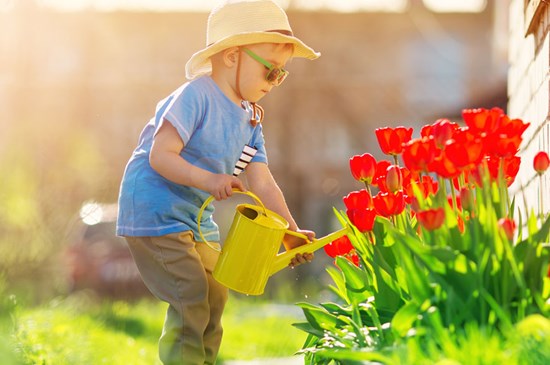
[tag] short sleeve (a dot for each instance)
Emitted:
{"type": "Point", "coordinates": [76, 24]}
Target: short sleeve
{"type": "Point", "coordinates": [183, 113]}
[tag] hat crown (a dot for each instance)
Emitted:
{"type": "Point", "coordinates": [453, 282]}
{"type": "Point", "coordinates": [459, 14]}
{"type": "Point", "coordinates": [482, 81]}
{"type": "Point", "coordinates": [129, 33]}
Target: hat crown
{"type": "Point", "coordinates": [244, 16]}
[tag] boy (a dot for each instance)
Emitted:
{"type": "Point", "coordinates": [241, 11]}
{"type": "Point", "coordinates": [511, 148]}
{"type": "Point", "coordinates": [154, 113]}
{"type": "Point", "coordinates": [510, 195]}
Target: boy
{"type": "Point", "coordinates": [192, 149]}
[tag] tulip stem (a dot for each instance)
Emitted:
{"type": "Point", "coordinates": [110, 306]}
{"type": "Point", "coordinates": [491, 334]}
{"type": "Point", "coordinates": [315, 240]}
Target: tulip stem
{"type": "Point", "coordinates": [453, 195]}
{"type": "Point", "coordinates": [541, 210]}
{"type": "Point", "coordinates": [368, 188]}
{"type": "Point", "coordinates": [503, 189]}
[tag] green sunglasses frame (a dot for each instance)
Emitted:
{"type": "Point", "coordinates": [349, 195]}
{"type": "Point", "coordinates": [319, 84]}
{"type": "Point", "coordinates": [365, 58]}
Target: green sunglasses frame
{"type": "Point", "coordinates": [275, 75]}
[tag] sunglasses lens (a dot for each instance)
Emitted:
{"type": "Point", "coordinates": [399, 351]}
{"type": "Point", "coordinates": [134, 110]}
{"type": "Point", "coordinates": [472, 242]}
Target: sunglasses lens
{"type": "Point", "coordinates": [276, 75]}
{"type": "Point", "coordinates": [272, 75]}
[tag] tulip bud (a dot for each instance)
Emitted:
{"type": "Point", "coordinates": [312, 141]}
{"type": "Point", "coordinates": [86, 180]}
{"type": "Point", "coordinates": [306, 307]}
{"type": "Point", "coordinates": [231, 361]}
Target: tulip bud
{"type": "Point", "coordinates": [541, 162]}
{"type": "Point", "coordinates": [466, 198]}
{"type": "Point", "coordinates": [508, 226]}
{"type": "Point", "coordinates": [394, 179]}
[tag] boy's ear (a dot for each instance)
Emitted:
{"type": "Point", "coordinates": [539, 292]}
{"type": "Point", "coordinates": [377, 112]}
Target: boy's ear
{"type": "Point", "coordinates": [231, 56]}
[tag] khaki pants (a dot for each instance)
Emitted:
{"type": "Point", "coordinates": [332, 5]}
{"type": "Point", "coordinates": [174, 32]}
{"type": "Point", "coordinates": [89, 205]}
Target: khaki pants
{"type": "Point", "coordinates": [178, 270]}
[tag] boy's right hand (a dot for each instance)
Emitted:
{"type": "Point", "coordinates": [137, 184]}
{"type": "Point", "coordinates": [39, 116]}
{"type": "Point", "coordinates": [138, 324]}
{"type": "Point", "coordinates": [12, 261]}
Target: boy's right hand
{"type": "Point", "coordinates": [221, 186]}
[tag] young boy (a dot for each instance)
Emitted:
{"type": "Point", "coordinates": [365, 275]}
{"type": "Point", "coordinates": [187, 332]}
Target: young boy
{"type": "Point", "coordinates": [201, 137]}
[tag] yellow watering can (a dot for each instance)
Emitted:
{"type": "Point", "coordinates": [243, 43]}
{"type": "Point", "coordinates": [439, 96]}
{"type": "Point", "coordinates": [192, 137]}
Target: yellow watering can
{"type": "Point", "coordinates": [250, 253]}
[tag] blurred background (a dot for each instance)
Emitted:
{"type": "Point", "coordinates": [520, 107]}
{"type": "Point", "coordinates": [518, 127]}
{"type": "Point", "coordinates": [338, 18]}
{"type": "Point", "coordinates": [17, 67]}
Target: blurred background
{"type": "Point", "coordinates": [80, 79]}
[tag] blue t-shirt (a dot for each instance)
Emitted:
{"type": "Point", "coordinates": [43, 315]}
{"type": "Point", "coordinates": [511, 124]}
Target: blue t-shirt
{"type": "Point", "coordinates": [214, 131]}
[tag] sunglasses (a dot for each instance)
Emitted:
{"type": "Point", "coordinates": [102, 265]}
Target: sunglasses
{"type": "Point", "coordinates": [275, 75]}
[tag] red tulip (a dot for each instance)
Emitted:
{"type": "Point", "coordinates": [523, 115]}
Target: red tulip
{"type": "Point", "coordinates": [389, 204]}
{"type": "Point", "coordinates": [353, 258]}
{"type": "Point", "coordinates": [391, 139]}
{"type": "Point", "coordinates": [427, 186]}
{"type": "Point", "coordinates": [511, 127]}
{"type": "Point", "coordinates": [431, 219]}
{"type": "Point", "coordinates": [508, 226]}
{"type": "Point", "coordinates": [442, 130]}
{"type": "Point", "coordinates": [465, 150]}
{"type": "Point", "coordinates": [502, 145]}
{"type": "Point", "coordinates": [510, 167]}
{"type": "Point", "coordinates": [444, 167]}
{"type": "Point", "coordinates": [358, 200]}
{"type": "Point", "coordinates": [541, 162]}
{"type": "Point", "coordinates": [380, 174]}
{"type": "Point", "coordinates": [481, 119]}
{"type": "Point", "coordinates": [363, 167]}
{"type": "Point", "coordinates": [339, 247]}
{"type": "Point", "coordinates": [419, 153]}
{"type": "Point", "coordinates": [505, 139]}
{"type": "Point", "coordinates": [362, 219]}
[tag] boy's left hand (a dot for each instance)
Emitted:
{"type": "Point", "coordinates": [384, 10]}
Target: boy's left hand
{"type": "Point", "coordinates": [291, 242]}
{"type": "Point", "coordinates": [301, 258]}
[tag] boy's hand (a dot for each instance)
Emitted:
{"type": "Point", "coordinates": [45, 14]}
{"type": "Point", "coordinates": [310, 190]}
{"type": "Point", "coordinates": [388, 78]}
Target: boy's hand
{"type": "Point", "coordinates": [291, 242]}
{"type": "Point", "coordinates": [221, 186]}
{"type": "Point", "coordinates": [301, 259]}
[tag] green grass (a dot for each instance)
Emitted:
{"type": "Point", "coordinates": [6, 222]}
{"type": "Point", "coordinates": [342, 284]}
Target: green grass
{"type": "Point", "coordinates": [81, 330]}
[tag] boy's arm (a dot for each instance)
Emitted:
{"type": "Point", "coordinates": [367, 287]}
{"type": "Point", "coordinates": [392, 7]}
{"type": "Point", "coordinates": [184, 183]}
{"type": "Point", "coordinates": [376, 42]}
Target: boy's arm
{"type": "Point", "coordinates": [166, 160]}
{"type": "Point", "coordinates": [262, 183]}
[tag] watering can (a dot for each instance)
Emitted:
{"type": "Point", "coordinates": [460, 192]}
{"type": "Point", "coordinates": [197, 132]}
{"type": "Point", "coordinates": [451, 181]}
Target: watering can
{"type": "Point", "coordinates": [250, 253]}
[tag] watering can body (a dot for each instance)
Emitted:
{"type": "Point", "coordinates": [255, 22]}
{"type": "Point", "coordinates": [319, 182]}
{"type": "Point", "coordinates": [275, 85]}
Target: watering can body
{"type": "Point", "coordinates": [250, 253]}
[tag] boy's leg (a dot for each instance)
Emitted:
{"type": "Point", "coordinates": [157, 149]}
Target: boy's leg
{"type": "Point", "coordinates": [173, 270]}
{"type": "Point", "coordinates": [217, 297]}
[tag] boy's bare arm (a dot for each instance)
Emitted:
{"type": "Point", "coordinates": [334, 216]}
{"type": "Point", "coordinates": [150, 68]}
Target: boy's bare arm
{"type": "Point", "coordinates": [166, 160]}
{"type": "Point", "coordinates": [262, 183]}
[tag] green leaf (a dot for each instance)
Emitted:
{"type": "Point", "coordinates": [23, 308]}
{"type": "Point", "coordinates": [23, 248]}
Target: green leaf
{"type": "Point", "coordinates": [417, 280]}
{"type": "Point", "coordinates": [338, 278]}
{"type": "Point", "coordinates": [319, 318]}
{"type": "Point", "coordinates": [356, 356]}
{"type": "Point", "coordinates": [381, 228]}
{"type": "Point", "coordinates": [336, 309]}
{"type": "Point", "coordinates": [308, 328]}
{"type": "Point", "coordinates": [356, 281]}
{"type": "Point", "coordinates": [405, 318]}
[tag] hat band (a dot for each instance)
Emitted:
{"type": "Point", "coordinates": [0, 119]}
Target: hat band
{"type": "Point", "coordinates": [282, 31]}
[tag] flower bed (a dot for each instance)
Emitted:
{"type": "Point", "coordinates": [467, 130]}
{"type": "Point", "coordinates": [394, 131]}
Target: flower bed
{"type": "Point", "coordinates": [436, 254]}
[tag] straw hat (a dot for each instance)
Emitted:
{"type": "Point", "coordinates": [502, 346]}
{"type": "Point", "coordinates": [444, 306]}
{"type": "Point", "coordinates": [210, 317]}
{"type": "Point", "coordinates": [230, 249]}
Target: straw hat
{"type": "Point", "coordinates": [240, 22]}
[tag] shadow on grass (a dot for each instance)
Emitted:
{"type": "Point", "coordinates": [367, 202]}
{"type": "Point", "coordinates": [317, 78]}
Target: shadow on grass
{"type": "Point", "coordinates": [131, 326]}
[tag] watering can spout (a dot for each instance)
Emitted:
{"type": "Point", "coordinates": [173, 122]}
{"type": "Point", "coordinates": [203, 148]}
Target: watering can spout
{"type": "Point", "coordinates": [282, 260]}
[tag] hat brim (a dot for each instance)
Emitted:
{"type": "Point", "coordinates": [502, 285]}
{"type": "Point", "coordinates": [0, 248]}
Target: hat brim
{"type": "Point", "coordinates": [200, 64]}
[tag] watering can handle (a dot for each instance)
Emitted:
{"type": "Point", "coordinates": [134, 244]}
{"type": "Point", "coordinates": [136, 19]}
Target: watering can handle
{"type": "Point", "coordinates": [209, 200]}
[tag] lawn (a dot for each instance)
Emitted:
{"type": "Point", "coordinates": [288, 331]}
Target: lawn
{"type": "Point", "coordinates": [83, 330]}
